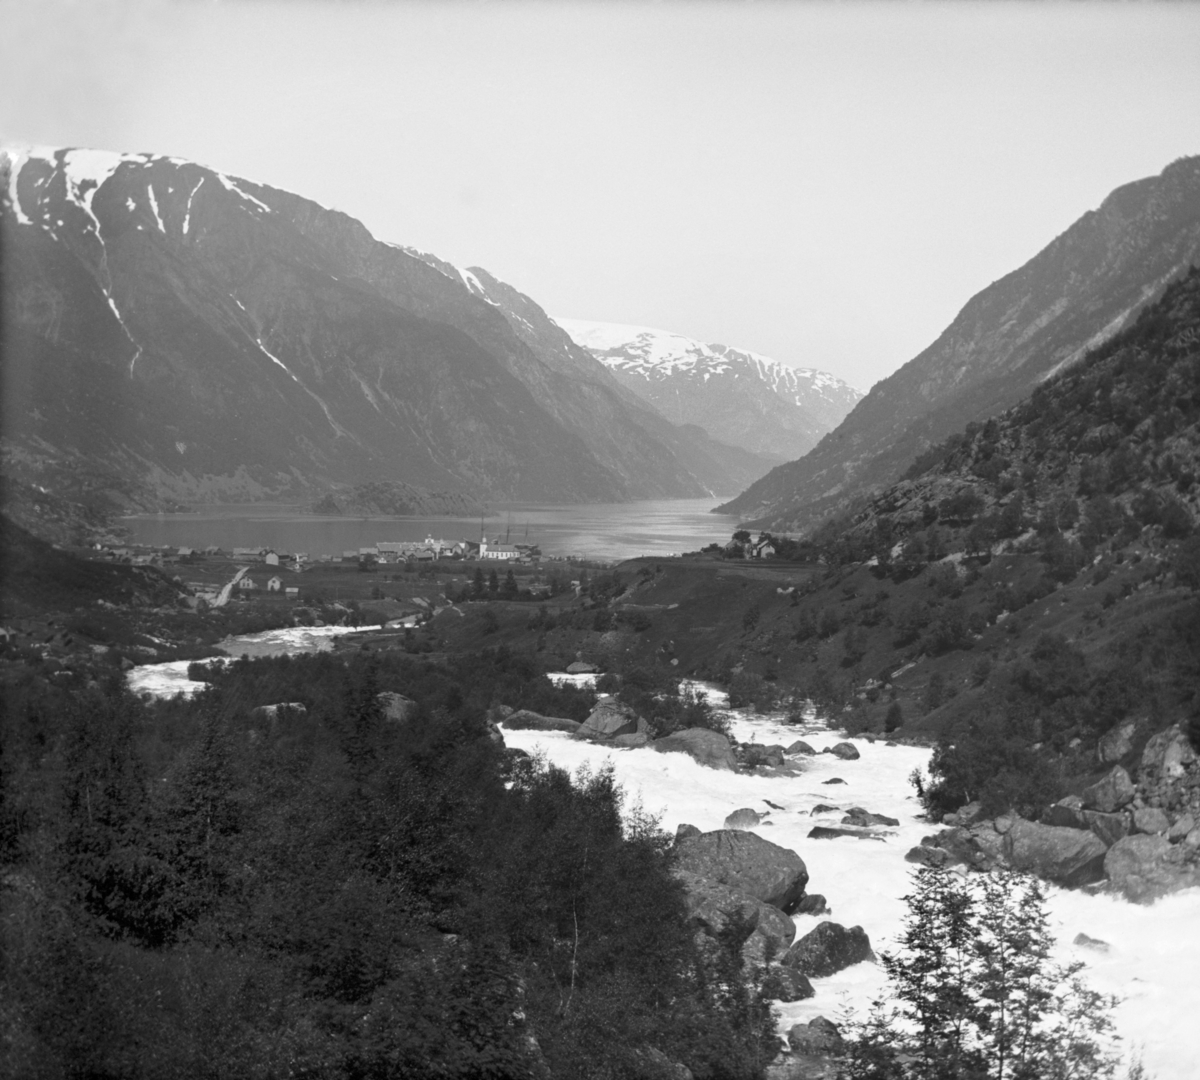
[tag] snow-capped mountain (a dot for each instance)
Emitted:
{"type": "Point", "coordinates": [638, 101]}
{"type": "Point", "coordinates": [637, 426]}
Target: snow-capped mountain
{"type": "Point", "coordinates": [737, 396]}
{"type": "Point", "coordinates": [180, 335]}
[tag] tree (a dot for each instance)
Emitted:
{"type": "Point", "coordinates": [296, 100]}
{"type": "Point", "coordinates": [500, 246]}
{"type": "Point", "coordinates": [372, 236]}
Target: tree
{"type": "Point", "coordinates": [477, 584]}
{"type": "Point", "coordinates": [509, 589]}
{"type": "Point", "coordinates": [975, 995]}
{"type": "Point", "coordinates": [493, 584]}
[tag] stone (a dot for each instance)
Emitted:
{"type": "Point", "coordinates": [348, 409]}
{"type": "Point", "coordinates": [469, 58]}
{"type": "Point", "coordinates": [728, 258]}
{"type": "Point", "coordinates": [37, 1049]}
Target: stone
{"type": "Point", "coordinates": [754, 755]}
{"type": "Point", "coordinates": [609, 719]}
{"type": "Point", "coordinates": [1068, 857]}
{"type": "Point", "coordinates": [818, 1036]}
{"type": "Point", "coordinates": [828, 949]}
{"type": "Point", "coordinates": [711, 905]}
{"type": "Point", "coordinates": [824, 808]}
{"type": "Point", "coordinates": [638, 738]}
{"type": "Point", "coordinates": [746, 862]}
{"type": "Point", "coordinates": [1090, 943]}
{"type": "Point", "coordinates": [744, 818]}
{"type": "Point", "coordinates": [684, 831]}
{"type": "Point", "coordinates": [800, 747]}
{"type": "Point", "coordinates": [830, 832]}
{"type": "Point", "coordinates": [846, 751]}
{"type": "Point", "coordinates": [527, 720]}
{"type": "Point", "coordinates": [922, 855]}
{"type": "Point", "coordinates": [1108, 827]}
{"type": "Point", "coordinates": [1181, 828]}
{"type": "Point", "coordinates": [812, 904]}
{"type": "Point", "coordinates": [965, 815]}
{"type": "Point", "coordinates": [1111, 792]}
{"type": "Point", "coordinates": [834, 780]}
{"type": "Point", "coordinates": [1140, 867]}
{"type": "Point", "coordinates": [1117, 742]}
{"type": "Point", "coordinates": [395, 706]}
{"type": "Point", "coordinates": [580, 667]}
{"type": "Point", "coordinates": [1151, 820]}
{"type": "Point", "coordinates": [786, 984]}
{"type": "Point", "coordinates": [651, 1062]}
{"type": "Point", "coordinates": [1167, 755]}
{"type": "Point", "coordinates": [1065, 814]}
{"type": "Point", "coordinates": [856, 815]}
{"type": "Point", "coordinates": [709, 748]}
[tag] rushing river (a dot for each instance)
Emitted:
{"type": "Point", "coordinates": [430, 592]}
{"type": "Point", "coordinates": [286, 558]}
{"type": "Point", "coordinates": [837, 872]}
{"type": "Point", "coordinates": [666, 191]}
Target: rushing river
{"type": "Point", "coordinates": [602, 531]}
{"type": "Point", "coordinates": [1153, 951]}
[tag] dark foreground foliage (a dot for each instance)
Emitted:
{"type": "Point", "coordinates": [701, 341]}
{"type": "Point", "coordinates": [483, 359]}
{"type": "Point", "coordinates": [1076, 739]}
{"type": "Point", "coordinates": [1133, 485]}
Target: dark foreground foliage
{"type": "Point", "coordinates": [192, 890]}
{"type": "Point", "coordinates": [977, 996]}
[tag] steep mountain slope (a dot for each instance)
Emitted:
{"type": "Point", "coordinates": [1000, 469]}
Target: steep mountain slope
{"type": "Point", "coordinates": [738, 397]}
{"type": "Point", "coordinates": [1077, 292]}
{"type": "Point", "coordinates": [192, 336]}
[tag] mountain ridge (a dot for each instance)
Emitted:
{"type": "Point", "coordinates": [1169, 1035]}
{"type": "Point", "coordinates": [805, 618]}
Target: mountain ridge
{"type": "Point", "coordinates": [1079, 290]}
{"type": "Point", "coordinates": [741, 397]}
{"type": "Point", "coordinates": [196, 336]}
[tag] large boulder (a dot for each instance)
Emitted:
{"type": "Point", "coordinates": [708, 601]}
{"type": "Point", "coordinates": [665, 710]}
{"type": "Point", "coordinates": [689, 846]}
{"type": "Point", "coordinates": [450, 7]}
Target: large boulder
{"type": "Point", "coordinates": [1142, 868]}
{"type": "Point", "coordinates": [818, 1036]}
{"type": "Point", "coordinates": [611, 718]}
{"type": "Point", "coordinates": [581, 667]}
{"type": "Point", "coordinates": [1150, 819]}
{"type": "Point", "coordinates": [1068, 857]}
{"type": "Point", "coordinates": [712, 904]}
{"type": "Point", "coordinates": [527, 720]}
{"type": "Point", "coordinates": [1108, 827]}
{"type": "Point", "coordinates": [800, 747]}
{"type": "Point", "coordinates": [864, 819]}
{"type": "Point", "coordinates": [786, 984]}
{"type": "Point", "coordinates": [1167, 756]}
{"type": "Point", "coordinates": [827, 949]}
{"type": "Point", "coordinates": [1117, 742]}
{"type": "Point", "coordinates": [395, 706]}
{"type": "Point", "coordinates": [1066, 814]}
{"type": "Point", "coordinates": [844, 750]}
{"type": "Point", "coordinates": [746, 862]}
{"type": "Point", "coordinates": [753, 755]}
{"type": "Point", "coordinates": [1110, 793]}
{"type": "Point", "coordinates": [709, 748]}
{"type": "Point", "coordinates": [745, 818]}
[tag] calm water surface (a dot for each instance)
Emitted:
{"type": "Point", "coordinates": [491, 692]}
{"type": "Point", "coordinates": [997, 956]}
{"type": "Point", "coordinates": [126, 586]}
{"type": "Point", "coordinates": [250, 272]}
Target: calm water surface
{"type": "Point", "coordinates": [593, 530]}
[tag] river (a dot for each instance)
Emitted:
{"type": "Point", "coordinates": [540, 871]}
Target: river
{"type": "Point", "coordinates": [1153, 951]}
{"type": "Point", "coordinates": [601, 531]}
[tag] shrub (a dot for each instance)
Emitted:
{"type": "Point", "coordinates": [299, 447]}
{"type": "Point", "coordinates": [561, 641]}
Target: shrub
{"type": "Point", "coordinates": [975, 995]}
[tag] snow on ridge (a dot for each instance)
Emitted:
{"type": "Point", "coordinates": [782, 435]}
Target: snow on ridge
{"type": "Point", "coordinates": [658, 354]}
{"type": "Point", "coordinates": [187, 216]}
{"type": "Point", "coordinates": [154, 206]}
{"type": "Point", "coordinates": [231, 186]}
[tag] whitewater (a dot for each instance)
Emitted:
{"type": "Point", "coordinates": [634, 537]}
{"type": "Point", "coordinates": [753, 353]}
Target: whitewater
{"type": "Point", "coordinates": [1153, 951]}
{"type": "Point", "coordinates": [1153, 955]}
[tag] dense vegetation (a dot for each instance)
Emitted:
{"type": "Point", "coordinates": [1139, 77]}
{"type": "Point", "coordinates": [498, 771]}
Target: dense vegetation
{"type": "Point", "coordinates": [976, 996]}
{"type": "Point", "coordinates": [193, 888]}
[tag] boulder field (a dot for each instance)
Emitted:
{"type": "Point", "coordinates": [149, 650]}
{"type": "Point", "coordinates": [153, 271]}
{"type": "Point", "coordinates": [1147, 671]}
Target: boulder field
{"type": "Point", "coordinates": [737, 881]}
{"type": "Point", "coordinates": [1139, 837]}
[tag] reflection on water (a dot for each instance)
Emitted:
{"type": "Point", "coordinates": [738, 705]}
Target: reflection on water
{"type": "Point", "coordinates": [593, 530]}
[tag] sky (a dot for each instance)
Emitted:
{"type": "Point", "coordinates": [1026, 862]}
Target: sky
{"type": "Point", "coordinates": [826, 184]}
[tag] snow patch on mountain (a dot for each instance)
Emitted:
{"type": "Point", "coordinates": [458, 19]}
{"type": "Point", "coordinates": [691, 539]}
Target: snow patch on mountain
{"type": "Point", "coordinates": [659, 354]}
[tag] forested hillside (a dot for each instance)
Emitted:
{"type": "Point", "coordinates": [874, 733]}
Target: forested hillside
{"type": "Point", "coordinates": [207, 888]}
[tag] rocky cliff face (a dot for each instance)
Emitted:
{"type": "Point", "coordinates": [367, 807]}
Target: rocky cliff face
{"type": "Point", "coordinates": [739, 397]}
{"type": "Point", "coordinates": [185, 335]}
{"type": "Point", "coordinates": [1076, 293]}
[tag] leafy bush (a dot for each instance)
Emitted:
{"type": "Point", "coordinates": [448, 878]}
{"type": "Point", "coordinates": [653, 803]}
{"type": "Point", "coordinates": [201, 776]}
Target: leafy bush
{"type": "Point", "coordinates": [976, 996]}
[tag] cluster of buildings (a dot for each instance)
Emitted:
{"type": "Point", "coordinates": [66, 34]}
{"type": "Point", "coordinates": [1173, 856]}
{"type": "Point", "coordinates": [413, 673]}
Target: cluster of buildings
{"type": "Point", "coordinates": [429, 549]}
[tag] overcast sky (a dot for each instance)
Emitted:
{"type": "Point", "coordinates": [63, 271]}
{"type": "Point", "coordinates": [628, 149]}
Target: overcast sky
{"type": "Point", "coordinates": [823, 183]}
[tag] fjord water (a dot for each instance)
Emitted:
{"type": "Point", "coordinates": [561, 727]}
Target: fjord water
{"type": "Point", "coordinates": [601, 531]}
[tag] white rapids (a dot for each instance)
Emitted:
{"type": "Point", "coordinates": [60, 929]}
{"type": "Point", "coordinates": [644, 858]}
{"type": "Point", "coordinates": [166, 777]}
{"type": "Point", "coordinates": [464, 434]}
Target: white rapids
{"type": "Point", "coordinates": [1154, 951]}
